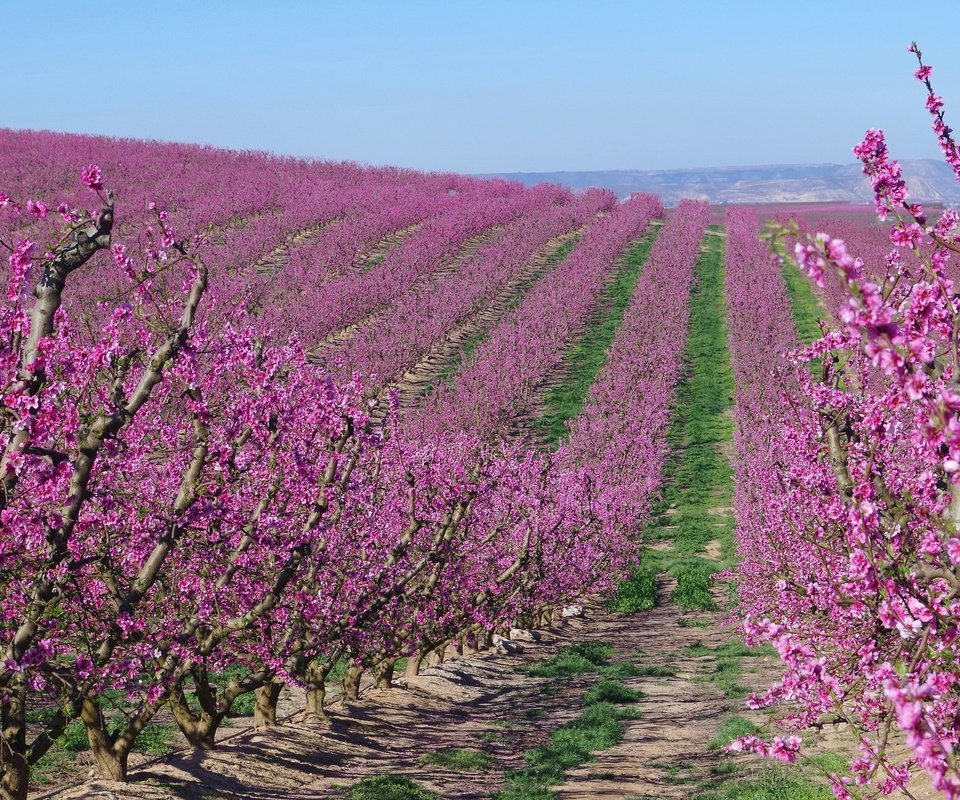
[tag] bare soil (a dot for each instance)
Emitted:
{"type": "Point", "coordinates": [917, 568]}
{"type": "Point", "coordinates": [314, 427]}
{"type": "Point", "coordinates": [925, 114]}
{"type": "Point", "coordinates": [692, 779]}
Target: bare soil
{"type": "Point", "coordinates": [447, 267]}
{"type": "Point", "coordinates": [420, 378]}
{"type": "Point", "coordinates": [481, 702]}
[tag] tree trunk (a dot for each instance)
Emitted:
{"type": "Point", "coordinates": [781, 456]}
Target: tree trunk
{"type": "Point", "coordinates": [202, 735]}
{"type": "Point", "coordinates": [265, 708]}
{"type": "Point", "coordinates": [315, 698]}
{"type": "Point", "coordinates": [351, 682]}
{"type": "Point", "coordinates": [436, 656]}
{"type": "Point", "coordinates": [111, 761]}
{"type": "Point", "coordinates": [14, 769]}
{"type": "Point", "coordinates": [484, 638]}
{"type": "Point", "coordinates": [385, 673]}
{"type": "Point", "coordinates": [316, 680]}
{"type": "Point", "coordinates": [199, 729]}
{"type": "Point", "coordinates": [14, 776]}
{"type": "Point", "coordinates": [414, 664]}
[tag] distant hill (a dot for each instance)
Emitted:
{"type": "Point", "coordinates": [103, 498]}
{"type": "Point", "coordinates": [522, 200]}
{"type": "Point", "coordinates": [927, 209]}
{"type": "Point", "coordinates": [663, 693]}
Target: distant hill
{"type": "Point", "coordinates": [928, 179]}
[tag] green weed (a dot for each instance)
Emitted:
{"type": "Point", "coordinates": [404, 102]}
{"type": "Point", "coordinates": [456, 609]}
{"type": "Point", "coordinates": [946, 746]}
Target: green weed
{"type": "Point", "coordinates": [636, 593]}
{"type": "Point", "coordinates": [773, 783]}
{"type": "Point", "coordinates": [611, 690]}
{"type": "Point", "coordinates": [574, 659]}
{"type": "Point", "coordinates": [458, 760]}
{"type": "Point", "coordinates": [733, 728]}
{"type": "Point", "coordinates": [588, 356]}
{"type": "Point", "coordinates": [627, 669]}
{"type": "Point", "coordinates": [388, 787]}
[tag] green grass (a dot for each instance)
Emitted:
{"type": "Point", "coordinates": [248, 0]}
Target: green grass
{"type": "Point", "coordinates": [574, 659]}
{"type": "Point", "coordinates": [733, 728]}
{"type": "Point", "coordinates": [157, 739]}
{"type": "Point", "coordinates": [458, 760]}
{"type": "Point", "coordinates": [636, 593]}
{"type": "Point", "coordinates": [773, 783]}
{"type": "Point", "coordinates": [804, 303]}
{"type": "Point", "coordinates": [611, 690]}
{"type": "Point", "coordinates": [728, 669]}
{"type": "Point", "coordinates": [74, 738]}
{"type": "Point", "coordinates": [831, 762]}
{"type": "Point", "coordinates": [244, 705]}
{"type": "Point", "coordinates": [388, 787]}
{"type": "Point", "coordinates": [627, 669]}
{"type": "Point", "coordinates": [587, 357]}
{"type": "Point", "coordinates": [697, 477]}
{"type": "Point", "coordinates": [687, 622]}
{"type": "Point", "coordinates": [598, 728]}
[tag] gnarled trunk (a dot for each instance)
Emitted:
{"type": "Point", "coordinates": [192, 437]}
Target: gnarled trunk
{"type": "Point", "coordinates": [351, 682]}
{"type": "Point", "coordinates": [14, 774]}
{"type": "Point", "coordinates": [265, 707]}
{"type": "Point", "coordinates": [384, 673]}
{"type": "Point", "coordinates": [200, 728]}
{"type": "Point", "coordinates": [484, 639]}
{"type": "Point", "coordinates": [109, 755]}
{"type": "Point", "coordinates": [316, 680]}
{"type": "Point", "coordinates": [436, 655]}
{"type": "Point", "coordinates": [14, 769]}
{"type": "Point", "coordinates": [414, 664]}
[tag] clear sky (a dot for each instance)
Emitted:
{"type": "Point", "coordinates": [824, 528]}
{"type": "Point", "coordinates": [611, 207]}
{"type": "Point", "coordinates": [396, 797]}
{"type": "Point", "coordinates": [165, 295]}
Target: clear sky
{"type": "Point", "coordinates": [486, 86]}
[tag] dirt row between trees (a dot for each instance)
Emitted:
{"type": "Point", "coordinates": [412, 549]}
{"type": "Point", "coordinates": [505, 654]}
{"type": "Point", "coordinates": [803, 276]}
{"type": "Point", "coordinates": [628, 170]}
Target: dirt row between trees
{"type": "Point", "coordinates": [277, 258]}
{"type": "Point", "coordinates": [417, 381]}
{"type": "Point", "coordinates": [483, 702]}
{"type": "Point", "coordinates": [447, 267]}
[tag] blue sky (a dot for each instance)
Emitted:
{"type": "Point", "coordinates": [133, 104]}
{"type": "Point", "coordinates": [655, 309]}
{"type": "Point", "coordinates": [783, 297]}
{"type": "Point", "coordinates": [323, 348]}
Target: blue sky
{"type": "Point", "coordinates": [487, 86]}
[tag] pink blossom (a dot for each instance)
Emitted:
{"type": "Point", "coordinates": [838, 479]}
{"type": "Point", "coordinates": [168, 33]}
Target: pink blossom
{"type": "Point", "coordinates": [92, 178]}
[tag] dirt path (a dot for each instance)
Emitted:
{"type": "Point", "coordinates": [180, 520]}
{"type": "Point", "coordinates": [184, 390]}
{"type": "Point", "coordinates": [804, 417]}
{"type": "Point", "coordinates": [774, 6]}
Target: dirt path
{"type": "Point", "coordinates": [418, 380]}
{"type": "Point", "coordinates": [478, 702]}
{"type": "Point", "coordinates": [276, 259]}
{"type": "Point", "coordinates": [668, 750]}
{"type": "Point", "coordinates": [447, 267]}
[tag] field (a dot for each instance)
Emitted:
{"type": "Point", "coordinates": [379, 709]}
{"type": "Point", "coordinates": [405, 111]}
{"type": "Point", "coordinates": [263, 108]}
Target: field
{"type": "Point", "coordinates": [331, 481]}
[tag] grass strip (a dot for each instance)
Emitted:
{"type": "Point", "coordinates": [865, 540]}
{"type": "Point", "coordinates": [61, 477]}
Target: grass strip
{"type": "Point", "coordinates": [388, 787]}
{"type": "Point", "coordinates": [599, 727]}
{"type": "Point", "coordinates": [575, 659]}
{"type": "Point", "coordinates": [804, 303]}
{"type": "Point", "coordinates": [584, 360]}
{"type": "Point", "coordinates": [458, 760]}
{"type": "Point", "coordinates": [697, 478]}
{"type": "Point", "coordinates": [772, 783]}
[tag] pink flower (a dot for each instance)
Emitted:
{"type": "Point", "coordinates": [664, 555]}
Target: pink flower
{"type": "Point", "coordinates": [92, 178]}
{"type": "Point", "coordinates": [953, 551]}
{"type": "Point", "coordinates": [38, 208]}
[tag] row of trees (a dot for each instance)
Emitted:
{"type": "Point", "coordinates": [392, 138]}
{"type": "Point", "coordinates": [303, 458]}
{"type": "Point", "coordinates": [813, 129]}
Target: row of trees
{"type": "Point", "coordinates": [192, 510]}
{"type": "Point", "coordinates": [848, 493]}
